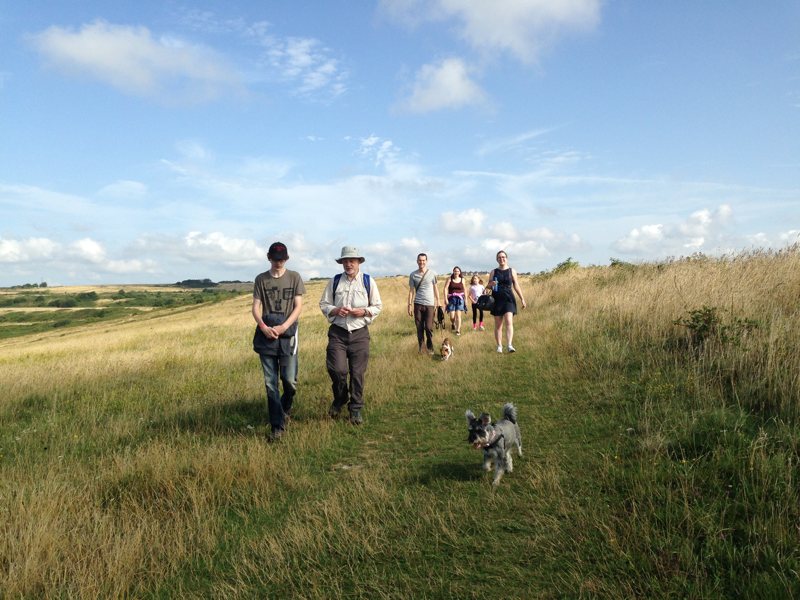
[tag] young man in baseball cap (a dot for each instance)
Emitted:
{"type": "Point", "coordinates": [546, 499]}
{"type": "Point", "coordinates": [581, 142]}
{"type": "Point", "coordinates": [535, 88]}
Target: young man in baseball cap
{"type": "Point", "coordinates": [277, 302]}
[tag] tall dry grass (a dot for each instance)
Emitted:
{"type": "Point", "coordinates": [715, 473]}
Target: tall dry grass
{"type": "Point", "coordinates": [639, 306]}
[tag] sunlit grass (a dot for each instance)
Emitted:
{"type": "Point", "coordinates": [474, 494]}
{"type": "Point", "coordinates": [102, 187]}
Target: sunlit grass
{"type": "Point", "coordinates": [133, 459]}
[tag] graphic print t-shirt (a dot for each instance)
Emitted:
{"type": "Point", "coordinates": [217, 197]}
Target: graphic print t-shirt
{"type": "Point", "coordinates": [277, 298]}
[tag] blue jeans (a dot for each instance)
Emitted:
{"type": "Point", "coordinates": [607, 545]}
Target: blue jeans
{"type": "Point", "coordinates": [279, 405]}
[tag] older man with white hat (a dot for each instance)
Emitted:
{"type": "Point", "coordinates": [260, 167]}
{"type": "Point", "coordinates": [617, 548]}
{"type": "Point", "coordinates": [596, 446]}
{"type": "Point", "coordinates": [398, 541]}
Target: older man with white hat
{"type": "Point", "coordinates": [350, 302]}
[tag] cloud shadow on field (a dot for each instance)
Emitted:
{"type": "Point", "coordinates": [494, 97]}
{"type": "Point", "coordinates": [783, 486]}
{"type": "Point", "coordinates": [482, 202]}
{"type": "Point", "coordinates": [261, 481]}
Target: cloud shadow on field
{"type": "Point", "coordinates": [237, 417]}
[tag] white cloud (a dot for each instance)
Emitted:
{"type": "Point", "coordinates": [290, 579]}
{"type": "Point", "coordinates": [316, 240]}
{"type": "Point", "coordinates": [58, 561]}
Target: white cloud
{"type": "Point", "coordinates": [132, 60]}
{"type": "Point", "coordinates": [701, 230]}
{"type": "Point", "coordinates": [412, 244]}
{"type": "Point", "coordinates": [641, 240]}
{"type": "Point", "coordinates": [307, 64]}
{"type": "Point", "coordinates": [504, 230]}
{"type": "Point", "coordinates": [446, 84]}
{"type": "Point", "coordinates": [522, 28]}
{"type": "Point", "coordinates": [527, 251]}
{"type": "Point", "coordinates": [468, 222]}
{"type": "Point", "coordinates": [89, 250]}
{"type": "Point", "coordinates": [28, 250]}
{"type": "Point", "coordinates": [382, 152]}
{"type": "Point", "coordinates": [216, 247]}
{"type": "Point", "coordinates": [780, 240]}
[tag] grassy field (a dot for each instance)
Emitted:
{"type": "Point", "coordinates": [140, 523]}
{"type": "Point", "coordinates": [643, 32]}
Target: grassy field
{"type": "Point", "coordinates": [659, 414]}
{"type": "Point", "coordinates": [29, 311]}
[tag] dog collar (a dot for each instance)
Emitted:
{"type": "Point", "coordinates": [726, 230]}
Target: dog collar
{"type": "Point", "coordinates": [494, 442]}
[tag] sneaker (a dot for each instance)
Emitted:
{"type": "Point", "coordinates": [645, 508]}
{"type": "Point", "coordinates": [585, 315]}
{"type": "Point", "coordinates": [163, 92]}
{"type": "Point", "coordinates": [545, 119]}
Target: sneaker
{"type": "Point", "coordinates": [511, 348]}
{"type": "Point", "coordinates": [334, 411]}
{"type": "Point", "coordinates": [275, 436]}
{"type": "Point", "coordinates": [474, 327]}
{"type": "Point", "coordinates": [500, 349]}
{"type": "Point", "coordinates": [481, 327]}
{"type": "Point", "coordinates": [356, 418]}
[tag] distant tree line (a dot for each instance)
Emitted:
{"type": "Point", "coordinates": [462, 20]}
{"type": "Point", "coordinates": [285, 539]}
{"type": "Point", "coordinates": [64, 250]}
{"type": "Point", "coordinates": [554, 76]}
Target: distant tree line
{"type": "Point", "coordinates": [28, 286]}
{"type": "Point", "coordinates": [196, 283]}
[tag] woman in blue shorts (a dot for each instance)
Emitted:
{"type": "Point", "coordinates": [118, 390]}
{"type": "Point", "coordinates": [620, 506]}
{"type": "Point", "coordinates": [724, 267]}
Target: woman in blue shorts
{"type": "Point", "coordinates": [456, 296]}
{"type": "Point", "coordinates": [503, 281]}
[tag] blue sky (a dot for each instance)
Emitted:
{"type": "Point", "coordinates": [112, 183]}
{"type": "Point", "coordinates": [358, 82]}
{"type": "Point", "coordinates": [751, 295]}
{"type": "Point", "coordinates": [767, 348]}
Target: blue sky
{"type": "Point", "coordinates": [151, 142]}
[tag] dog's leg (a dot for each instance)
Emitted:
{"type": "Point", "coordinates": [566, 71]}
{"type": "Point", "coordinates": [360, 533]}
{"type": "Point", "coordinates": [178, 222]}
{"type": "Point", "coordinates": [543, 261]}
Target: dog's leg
{"type": "Point", "coordinates": [498, 472]}
{"type": "Point", "coordinates": [509, 462]}
{"type": "Point", "coordinates": [487, 461]}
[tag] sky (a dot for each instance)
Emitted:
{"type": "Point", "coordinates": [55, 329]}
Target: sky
{"type": "Point", "coordinates": [152, 142]}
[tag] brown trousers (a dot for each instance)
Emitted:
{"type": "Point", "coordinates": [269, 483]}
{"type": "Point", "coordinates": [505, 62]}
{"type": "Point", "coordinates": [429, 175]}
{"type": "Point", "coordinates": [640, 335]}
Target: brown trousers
{"type": "Point", "coordinates": [347, 354]}
{"type": "Point", "coordinates": [423, 319]}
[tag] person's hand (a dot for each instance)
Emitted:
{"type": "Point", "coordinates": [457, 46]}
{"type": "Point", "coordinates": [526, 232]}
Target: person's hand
{"type": "Point", "coordinates": [410, 312]}
{"type": "Point", "coordinates": [524, 305]}
{"type": "Point", "coordinates": [269, 332]}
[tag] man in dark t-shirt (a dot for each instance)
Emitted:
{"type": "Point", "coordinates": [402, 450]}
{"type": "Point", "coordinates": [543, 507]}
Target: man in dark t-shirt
{"type": "Point", "coordinates": [277, 302]}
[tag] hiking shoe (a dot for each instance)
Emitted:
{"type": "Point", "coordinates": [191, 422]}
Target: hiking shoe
{"type": "Point", "coordinates": [334, 411]}
{"type": "Point", "coordinates": [500, 349]}
{"type": "Point", "coordinates": [356, 418]}
{"type": "Point", "coordinates": [511, 348]}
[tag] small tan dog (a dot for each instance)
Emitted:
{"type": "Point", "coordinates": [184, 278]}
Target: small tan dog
{"type": "Point", "coordinates": [447, 349]}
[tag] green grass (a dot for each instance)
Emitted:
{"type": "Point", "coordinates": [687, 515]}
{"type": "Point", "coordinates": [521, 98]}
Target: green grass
{"type": "Point", "coordinates": [82, 308]}
{"type": "Point", "coordinates": [652, 468]}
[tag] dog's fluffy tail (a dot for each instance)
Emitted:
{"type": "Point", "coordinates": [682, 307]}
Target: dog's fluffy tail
{"type": "Point", "coordinates": [510, 412]}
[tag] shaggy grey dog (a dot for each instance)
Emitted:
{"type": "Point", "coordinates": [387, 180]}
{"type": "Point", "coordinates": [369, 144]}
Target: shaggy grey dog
{"type": "Point", "coordinates": [496, 439]}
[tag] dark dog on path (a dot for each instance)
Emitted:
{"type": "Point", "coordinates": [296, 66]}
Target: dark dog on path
{"type": "Point", "coordinates": [438, 319]}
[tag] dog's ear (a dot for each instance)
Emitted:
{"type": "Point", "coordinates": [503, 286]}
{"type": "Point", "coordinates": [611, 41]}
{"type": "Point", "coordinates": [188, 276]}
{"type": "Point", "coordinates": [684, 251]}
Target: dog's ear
{"type": "Point", "coordinates": [485, 418]}
{"type": "Point", "coordinates": [470, 417]}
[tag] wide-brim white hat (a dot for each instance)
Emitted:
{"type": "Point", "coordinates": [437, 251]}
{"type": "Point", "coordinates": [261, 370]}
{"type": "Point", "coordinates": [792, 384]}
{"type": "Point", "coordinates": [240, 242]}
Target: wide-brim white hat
{"type": "Point", "coordinates": [350, 252]}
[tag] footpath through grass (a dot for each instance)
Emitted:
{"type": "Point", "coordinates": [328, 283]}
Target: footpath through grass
{"type": "Point", "coordinates": [400, 507]}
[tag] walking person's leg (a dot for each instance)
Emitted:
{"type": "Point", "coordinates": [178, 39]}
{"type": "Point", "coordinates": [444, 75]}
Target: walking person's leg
{"type": "Point", "coordinates": [508, 318]}
{"type": "Point", "coordinates": [289, 367]}
{"type": "Point", "coordinates": [336, 363]}
{"type": "Point", "coordinates": [498, 332]}
{"type": "Point", "coordinates": [270, 366]}
{"type": "Point", "coordinates": [429, 312]}
{"type": "Point", "coordinates": [420, 324]}
{"type": "Point", "coordinates": [358, 358]}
